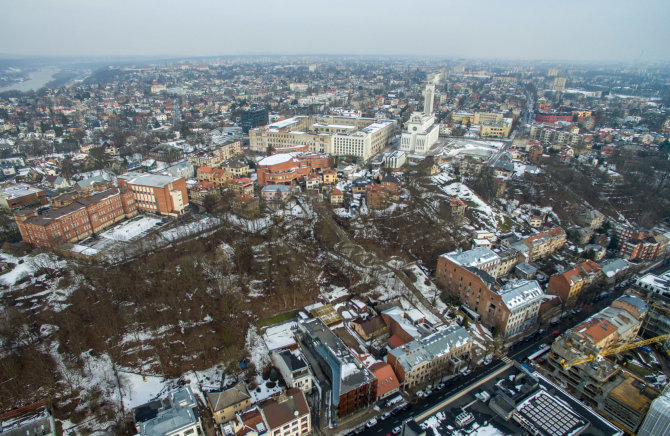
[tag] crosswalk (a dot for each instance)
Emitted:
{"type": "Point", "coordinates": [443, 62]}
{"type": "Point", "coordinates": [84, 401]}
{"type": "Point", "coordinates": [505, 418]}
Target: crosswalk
{"type": "Point", "coordinates": [506, 359]}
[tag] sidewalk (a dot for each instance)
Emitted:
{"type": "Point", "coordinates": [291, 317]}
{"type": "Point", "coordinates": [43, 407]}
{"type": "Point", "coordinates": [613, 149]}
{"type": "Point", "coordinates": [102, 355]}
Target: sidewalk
{"type": "Point", "coordinates": [349, 423]}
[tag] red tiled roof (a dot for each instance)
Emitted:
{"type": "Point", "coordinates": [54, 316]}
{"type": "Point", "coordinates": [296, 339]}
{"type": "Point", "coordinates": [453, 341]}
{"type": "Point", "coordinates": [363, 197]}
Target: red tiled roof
{"type": "Point", "coordinates": [396, 341]}
{"type": "Point", "coordinates": [386, 378]}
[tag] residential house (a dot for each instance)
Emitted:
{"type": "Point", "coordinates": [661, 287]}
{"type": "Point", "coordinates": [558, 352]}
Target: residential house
{"type": "Point", "coordinates": [246, 205]}
{"type": "Point", "coordinates": [224, 405]}
{"type": "Point", "coordinates": [293, 369]}
{"type": "Point", "coordinates": [376, 196]}
{"type": "Point", "coordinates": [313, 181]}
{"type": "Point", "coordinates": [286, 414]}
{"type": "Point", "coordinates": [369, 328]}
{"type": "Point", "coordinates": [175, 415]}
{"type": "Point", "coordinates": [336, 197]}
{"type": "Point", "coordinates": [387, 381]}
{"type": "Point", "coordinates": [241, 186]}
{"type": "Point", "coordinates": [329, 177]}
{"type": "Point", "coordinates": [275, 192]}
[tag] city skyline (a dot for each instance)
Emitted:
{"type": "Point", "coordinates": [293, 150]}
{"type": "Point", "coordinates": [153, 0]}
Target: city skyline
{"type": "Point", "coordinates": [595, 32]}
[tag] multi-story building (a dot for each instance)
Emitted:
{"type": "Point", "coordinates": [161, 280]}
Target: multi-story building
{"type": "Point", "coordinates": [481, 258]}
{"type": "Point", "coordinates": [497, 129]}
{"type": "Point", "coordinates": [176, 415]}
{"type": "Point", "coordinates": [568, 285]}
{"type": "Point", "coordinates": [657, 421]}
{"type": "Point", "coordinates": [216, 155]}
{"type": "Point", "coordinates": [254, 117]}
{"type": "Point", "coordinates": [165, 195]}
{"type": "Point", "coordinates": [431, 357]}
{"type": "Point", "coordinates": [243, 185]}
{"type": "Point", "coordinates": [512, 309]}
{"type": "Point", "coordinates": [353, 386]}
{"type": "Point", "coordinates": [285, 168]}
{"type": "Point", "coordinates": [183, 169]}
{"type": "Point", "coordinates": [166, 153]}
{"type": "Point", "coordinates": [336, 135]}
{"type": "Point", "coordinates": [509, 258]}
{"type": "Point", "coordinates": [293, 369]}
{"type": "Point", "coordinates": [487, 117]}
{"type": "Point", "coordinates": [224, 405]}
{"type": "Point", "coordinates": [77, 219]}
{"type": "Point", "coordinates": [603, 385]}
{"type": "Point", "coordinates": [217, 176]}
{"type": "Point", "coordinates": [553, 117]}
{"type": "Point", "coordinates": [286, 414]}
{"type": "Point", "coordinates": [13, 197]}
{"type": "Point", "coordinates": [421, 132]}
{"type": "Point", "coordinates": [537, 245]}
{"type": "Point", "coordinates": [387, 381]}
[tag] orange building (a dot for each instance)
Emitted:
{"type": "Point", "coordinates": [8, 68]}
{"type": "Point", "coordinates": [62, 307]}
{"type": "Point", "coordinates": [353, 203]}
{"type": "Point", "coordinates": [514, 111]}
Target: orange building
{"type": "Point", "coordinates": [283, 169]}
{"type": "Point", "coordinates": [76, 220]}
{"type": "Point", "coordinates": [165, 195]}
{"type": "Point", "coordinates": [387, 381]}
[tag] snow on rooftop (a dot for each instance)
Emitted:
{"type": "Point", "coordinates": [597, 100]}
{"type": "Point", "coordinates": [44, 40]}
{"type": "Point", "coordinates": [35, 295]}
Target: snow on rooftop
{"type": "Point", "coordinates": [276, 159]}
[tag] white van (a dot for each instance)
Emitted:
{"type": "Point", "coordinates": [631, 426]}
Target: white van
{"type": "Point", "coordinates": [393, 400]}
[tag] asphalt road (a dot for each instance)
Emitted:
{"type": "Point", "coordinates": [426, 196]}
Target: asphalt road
{"type": "Point", "coordinates": [518, 352]}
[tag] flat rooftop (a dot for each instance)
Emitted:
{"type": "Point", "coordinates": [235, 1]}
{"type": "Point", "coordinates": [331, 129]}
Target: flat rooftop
{"type": "Point", "coordinates": [145, 179]}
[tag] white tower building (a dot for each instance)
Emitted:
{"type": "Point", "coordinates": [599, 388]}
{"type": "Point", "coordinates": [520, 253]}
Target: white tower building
{"type": "Point", "coordinates": [421, 132]}
{"type": "Point", "coordinates": [428, 99]}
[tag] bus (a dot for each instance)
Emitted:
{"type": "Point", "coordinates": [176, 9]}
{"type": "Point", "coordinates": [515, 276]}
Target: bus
{"type": "Point", "coordinates": [540, 352]}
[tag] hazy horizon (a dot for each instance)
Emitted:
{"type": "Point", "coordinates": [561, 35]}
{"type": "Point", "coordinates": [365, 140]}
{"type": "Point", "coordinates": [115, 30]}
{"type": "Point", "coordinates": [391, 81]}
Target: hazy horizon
{"type": "Point", "coordinates": [570, 31]}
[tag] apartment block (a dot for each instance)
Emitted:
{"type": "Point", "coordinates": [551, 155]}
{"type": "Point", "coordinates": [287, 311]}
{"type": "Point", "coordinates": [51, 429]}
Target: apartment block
{"type": "Point", "coordinates": [431, 357]}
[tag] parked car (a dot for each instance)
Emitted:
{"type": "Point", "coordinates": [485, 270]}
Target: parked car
{"type": "Point", "coordinates": [428, 392]}
{"type": "Point", "coordinates": [396, 430]}
{"type": "Point", "coordinates": [420, 394]}
{"type": "Point", "coordinates": [385, 415]}
{"type": "Point", "coordinates": [371, 423]}
{"type": "Point", "coordinates": [440, 386]}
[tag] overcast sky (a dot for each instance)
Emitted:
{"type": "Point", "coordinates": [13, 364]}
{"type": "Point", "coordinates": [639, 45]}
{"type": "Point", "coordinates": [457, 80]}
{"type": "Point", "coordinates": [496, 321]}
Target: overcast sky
{"type": "Point", "coordinates": [584, 30]}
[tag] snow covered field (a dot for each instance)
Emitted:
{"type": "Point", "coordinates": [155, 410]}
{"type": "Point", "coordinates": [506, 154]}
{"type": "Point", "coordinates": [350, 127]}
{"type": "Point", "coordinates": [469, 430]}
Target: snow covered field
{"type": "Point", "coordinates": [131, 229]}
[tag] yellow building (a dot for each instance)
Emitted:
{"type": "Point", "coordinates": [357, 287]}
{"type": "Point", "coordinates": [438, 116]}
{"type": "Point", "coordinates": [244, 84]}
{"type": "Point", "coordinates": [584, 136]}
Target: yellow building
{"type": "Point", "coordinates": [224, 405]}
{"type": "Point", "coordinates": [487, 118]}
{"type": "Point", "coordinates": [499, 129]}
{"type": "Point", "coordinates": [462, 118]}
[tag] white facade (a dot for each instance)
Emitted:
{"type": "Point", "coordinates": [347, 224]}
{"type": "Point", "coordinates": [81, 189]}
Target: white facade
{"type": "Point", "coordinates": [395, 160]}
{"type": "Point", "coordinates": [293, 370]}
{"type": "Point", "coordinates": [420, 132]}
{"type": "Point", "coordinates": [428, 99]}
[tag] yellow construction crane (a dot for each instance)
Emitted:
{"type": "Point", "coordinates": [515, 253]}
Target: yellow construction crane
{"type": "Point", "coordinates": [615, 350]}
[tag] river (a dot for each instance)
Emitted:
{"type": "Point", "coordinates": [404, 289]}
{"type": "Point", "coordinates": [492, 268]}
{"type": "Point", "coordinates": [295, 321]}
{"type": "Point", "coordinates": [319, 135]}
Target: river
{"type": "Point", "coordinates": [36, 80]}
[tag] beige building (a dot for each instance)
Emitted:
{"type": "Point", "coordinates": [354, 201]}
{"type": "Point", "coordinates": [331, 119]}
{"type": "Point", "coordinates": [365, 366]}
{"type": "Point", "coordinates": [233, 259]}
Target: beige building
{"type": "Point", "coordinates": [224, 405]}
{"type": "Point", "coordinates": [486, 118]}
{"type": "Point", "coordinates": [336, 135]}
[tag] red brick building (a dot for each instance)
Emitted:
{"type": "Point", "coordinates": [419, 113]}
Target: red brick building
{"type": "Point", "coordinates": [635, 244]}
{"type": "Point", "coordinates": [553, 117]}
{"type": "Point", "coordinates": [165, 195]}
{"type": "Point", "coordinates": [77, 220]}
{"type": "Point", "coordinates": [13, 197]}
